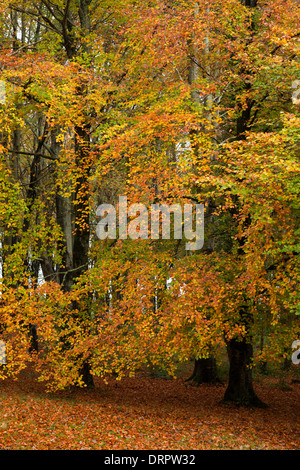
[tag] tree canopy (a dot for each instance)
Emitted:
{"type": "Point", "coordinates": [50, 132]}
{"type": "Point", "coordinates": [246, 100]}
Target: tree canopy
{"type": "Point", "coordinates": [165, 103]}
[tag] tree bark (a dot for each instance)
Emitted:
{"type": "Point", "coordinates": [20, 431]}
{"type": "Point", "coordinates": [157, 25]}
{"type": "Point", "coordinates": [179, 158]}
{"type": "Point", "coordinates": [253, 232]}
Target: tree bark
{"type": "Point", "coordinates": [75, 211]}
{"type": "Point", "coordinates": [82, 221]}
{"type": "Point", "coordinates": [240, 351]}
{"type": "Point", "coordinates": [205, 371]}
{"type": "Point", "coordinates": [240, 387]}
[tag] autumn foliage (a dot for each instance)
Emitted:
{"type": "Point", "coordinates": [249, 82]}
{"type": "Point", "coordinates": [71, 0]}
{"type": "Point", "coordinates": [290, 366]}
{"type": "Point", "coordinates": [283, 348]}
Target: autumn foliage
{"type": "Point", "coordinates": [163, 102]}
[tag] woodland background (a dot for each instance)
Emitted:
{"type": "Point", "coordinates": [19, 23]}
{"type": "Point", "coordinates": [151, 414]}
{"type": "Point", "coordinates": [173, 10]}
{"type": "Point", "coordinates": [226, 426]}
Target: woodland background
{"type": "Point", "coordinates": [164, 102]}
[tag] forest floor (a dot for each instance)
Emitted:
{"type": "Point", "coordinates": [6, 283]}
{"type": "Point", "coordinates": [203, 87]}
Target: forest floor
{"type": "Point", "coordinates": [146, 413]}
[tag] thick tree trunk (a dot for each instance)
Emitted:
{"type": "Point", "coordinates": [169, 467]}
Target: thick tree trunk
{"type": "Point", "coordinates": [240, 352]}
{"type": "Point", "coordinates": [205, 371]}
{"type": "Point", "coordinates": [240, 387]}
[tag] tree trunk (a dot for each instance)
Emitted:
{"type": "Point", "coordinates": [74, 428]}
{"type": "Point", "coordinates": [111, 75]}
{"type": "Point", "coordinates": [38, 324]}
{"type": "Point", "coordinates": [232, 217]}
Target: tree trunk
{"type": "Point", "coordinates": [77, 211]}
{"type": "Point", "coordinates": [87, 376]}
{"type": "Point", "coordinates": [82, 223]}
{"type": "Point", "coordinates": [240, 352]}
{"type": "Point", "coordinates": [240, 388]}
{"type": "Point", "coordinates": [205, 371]}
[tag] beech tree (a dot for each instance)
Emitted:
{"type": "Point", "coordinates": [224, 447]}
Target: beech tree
{"type": "Point", "coordinates": [162, 102]}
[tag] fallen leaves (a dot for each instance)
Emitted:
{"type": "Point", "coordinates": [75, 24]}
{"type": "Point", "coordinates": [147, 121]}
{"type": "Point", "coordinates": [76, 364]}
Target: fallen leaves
{"type": "Point", "coordinates": [145, 414]}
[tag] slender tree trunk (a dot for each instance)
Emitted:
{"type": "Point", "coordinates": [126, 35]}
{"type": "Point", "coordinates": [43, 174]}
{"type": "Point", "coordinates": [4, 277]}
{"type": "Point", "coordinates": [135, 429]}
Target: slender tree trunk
{"type": "Point", "coordinates": [81, 201]}
{"type": "Point", "coordinates": [82, 222]}
{"type": "Point", "coordinates": [82, 190]}
{"type": "Point", "coordinates": [205, 370]}
{"type": "Point", "coordinates": [73, 213]}
{"type": "Point", "coordinates": [32, 194]}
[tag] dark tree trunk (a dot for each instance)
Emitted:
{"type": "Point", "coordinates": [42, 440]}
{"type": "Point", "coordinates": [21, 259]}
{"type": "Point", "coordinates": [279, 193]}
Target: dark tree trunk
{"type": "Point", "coordinates": [250, 3]}
{"type": "Point", "coordinates": [77, 208]}
{"type": "Point", "coordinates": [34, 346]}
{"type": "Point", "coordinates": [205, 371]}
{"type": "Point", "coordinates": [87, 376]}
{"type": "Point", "coordinates": [240, 387]}
{"type": "Point", "coordinates": [81, 221]}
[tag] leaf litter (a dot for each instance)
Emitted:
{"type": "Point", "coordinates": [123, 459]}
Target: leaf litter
{"type": "Point", "coordinates": [145, 413]}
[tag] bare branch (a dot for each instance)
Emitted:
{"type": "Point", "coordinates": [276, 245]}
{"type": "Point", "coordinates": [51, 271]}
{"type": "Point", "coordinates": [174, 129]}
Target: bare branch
{"type": "Point", "coordinates": [32, 154]}
{"type": "Point", "coordinates": [36, 15]}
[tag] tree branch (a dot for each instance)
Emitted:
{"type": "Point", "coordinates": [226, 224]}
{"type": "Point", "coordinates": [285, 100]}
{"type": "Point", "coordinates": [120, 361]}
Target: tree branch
{"type": "Point", "coordinates": [33, 154]}
{"type": "Point", "coordinates": [36, 15]}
